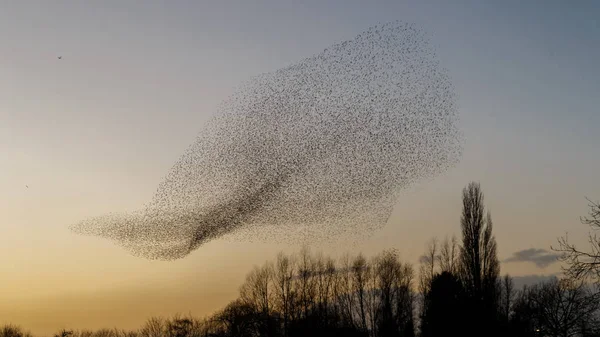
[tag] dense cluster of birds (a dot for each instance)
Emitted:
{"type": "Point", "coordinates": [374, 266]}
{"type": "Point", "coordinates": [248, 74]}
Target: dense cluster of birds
{"type": "Point", "coordinates": [324, 145]}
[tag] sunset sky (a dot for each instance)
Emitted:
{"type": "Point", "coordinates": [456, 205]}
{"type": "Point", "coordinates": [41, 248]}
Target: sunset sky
{"type": "Point", "coordinates": [96, 131]}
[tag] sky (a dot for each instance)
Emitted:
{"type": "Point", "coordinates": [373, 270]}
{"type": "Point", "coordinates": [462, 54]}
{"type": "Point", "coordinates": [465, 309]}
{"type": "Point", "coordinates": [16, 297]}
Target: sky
{"type": "Point", "coordinates": [96, 131]}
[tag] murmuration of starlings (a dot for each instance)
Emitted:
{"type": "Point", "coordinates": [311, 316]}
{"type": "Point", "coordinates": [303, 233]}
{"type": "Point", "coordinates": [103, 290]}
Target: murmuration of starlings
{"type": "Point", "coordinates": [327, 143]}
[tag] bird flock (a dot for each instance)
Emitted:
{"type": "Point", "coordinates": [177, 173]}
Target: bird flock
{"type": "Point", "coordinates": [323, 146]}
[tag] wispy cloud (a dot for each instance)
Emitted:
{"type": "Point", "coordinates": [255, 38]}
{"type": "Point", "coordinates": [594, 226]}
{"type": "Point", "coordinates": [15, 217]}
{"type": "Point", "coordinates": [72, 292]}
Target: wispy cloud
{"type": "Point", "coordinates": [529, 280]}
{"type": "Point", "coordinates": [540, 257]}
{"type": "Point", "coordinates": [424, 259]}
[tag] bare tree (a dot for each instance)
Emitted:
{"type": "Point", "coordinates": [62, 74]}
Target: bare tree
{"type": "Point", "coordinates": [372, 297]}
{"type": "Point", "coordinates": [490, 263]}
{"type": "Point", "coordinates": [179, 326]}
{"type": "Point", "coordinates": [448, 257]}
{"type": "Point", "coordinates": [387, 271]}
{"type": "Point", "coordinates": [154, 327]}
{"type": "Point", "coordinates": [427, 268]}
{"type": "Point", "coordinates": [321, 292]}
{"type": "Point", "coordinates": [325, 270]}
{"type": "Point", "coordinates": [562, 306]}
{"type": "Point", "coordinates": [472, 223]}
{"type": "Point", "coordinates": [478, 258]}
{"type": "Point", "coordinates": [359, 280]}
{"type": "Point", "coordinates": [427, 274]}
{"type": "Point", "coordinates": [238, 319]}
{"type": "Point", "coordinates": [479, 265]}
{"type": "Point", "coordinates": [283, 277]}
{"type": "Point", "coordinates": [405, 309]}
{"type": "Point", "coordinates": [396, 297]}
{"type": "Point", "coordinates": [64, 333]}
{"type": "Point", "coordinates": [343, 290]}
{"type": "Point", "coordinates": [256, 291]}
{"type": "Point", "coordinates": [330, 273]}
{"type": "Point", "coordinates": [583, 264]}
{"type": "Point", "coordinates": [508, 294]}
{"type": "Point", "coordinates": [306, 282]}
{"type": "Point", "coordinates": [13, 331]}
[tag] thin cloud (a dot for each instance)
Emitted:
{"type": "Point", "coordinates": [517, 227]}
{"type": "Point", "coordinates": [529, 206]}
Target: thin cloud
{"type": "Point", "coordinates": [528, 280]}
{"type": "Point", "coordinates": [540, 257]}
{"type": "Point", "coordinates": [424, 259]}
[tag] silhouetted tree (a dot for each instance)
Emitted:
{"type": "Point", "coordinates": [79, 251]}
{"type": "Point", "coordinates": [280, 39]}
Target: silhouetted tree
{"type": "Point", "coordinates": [179, 327]}
{"type": "Point", "coordinates": [562, 305]}
{"type": "Point", "coordinates": [13, 331]}
{"type": "Point", "coordinates": [154, 327]}
{"type": "Point", "coordinates": [557, 308]}
{"type": "Point", "coordinates": [479, 265]}
{"type": "Point", "coordinates": [257, 292]}
{"type": "Point", "coordinates": [284, 294]}
{"type": "Point", "coordinates": [444, 315]}
{"type": "Point", "coordinates": [396, 297]}
{"type": "Point", "coordinates": [325, 277]}
{"type": "Point", "coordinates": [306, 282]}
{"type": "Point", "coordinates": [583, 264]}
{"type": "Point", "coordinates": [448, 257]}
{"type": "Point", "coordinates": [523, 322]}
{"type": "Point", "coordinates": [427, 272]}
{"type": "Point", "coordinates": [508, 294]}
{"type": "Point", "coordinates": [64, 333]}
{"type": "Point", "coordinates": [360, 272]}
{"type": "Point", "coordinates": [344, 292]}
{"type": "Point", "coordinates": [372, 297]}
{"type": "Point", "coordinates": [437, 259]}
{"type": "Point", "coordinates": [427, 268]}
{"type": "Point", "coordinates": [239, 320]}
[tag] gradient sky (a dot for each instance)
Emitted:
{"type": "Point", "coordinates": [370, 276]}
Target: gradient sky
{"type": "Point", "coordinates": [96, 131]}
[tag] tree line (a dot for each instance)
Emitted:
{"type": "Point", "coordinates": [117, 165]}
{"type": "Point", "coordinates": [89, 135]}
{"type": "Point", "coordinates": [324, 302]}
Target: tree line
{"type": "Point", "coordinates": [456, 291]}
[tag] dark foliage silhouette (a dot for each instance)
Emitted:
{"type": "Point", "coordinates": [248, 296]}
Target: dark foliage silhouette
{"type": "Point", "coordinates": [446, 293]}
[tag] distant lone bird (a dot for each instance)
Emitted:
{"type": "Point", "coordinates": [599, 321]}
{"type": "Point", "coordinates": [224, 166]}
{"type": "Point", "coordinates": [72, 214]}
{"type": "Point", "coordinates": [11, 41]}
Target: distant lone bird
{"type": "Point", "coordinates": [27, 186]}
{"type": "Point", "coordinates": [60, 57]}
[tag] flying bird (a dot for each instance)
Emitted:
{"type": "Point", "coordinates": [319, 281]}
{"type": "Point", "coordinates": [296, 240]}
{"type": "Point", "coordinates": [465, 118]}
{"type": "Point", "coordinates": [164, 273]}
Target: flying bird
{"type": "Point", "coordinates": [60, 57]}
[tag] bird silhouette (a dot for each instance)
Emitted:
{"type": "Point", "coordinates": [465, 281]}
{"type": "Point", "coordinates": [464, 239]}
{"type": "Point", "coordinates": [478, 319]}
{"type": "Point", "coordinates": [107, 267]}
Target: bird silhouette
{"type": "Point", "coordinates": [60, 57]}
